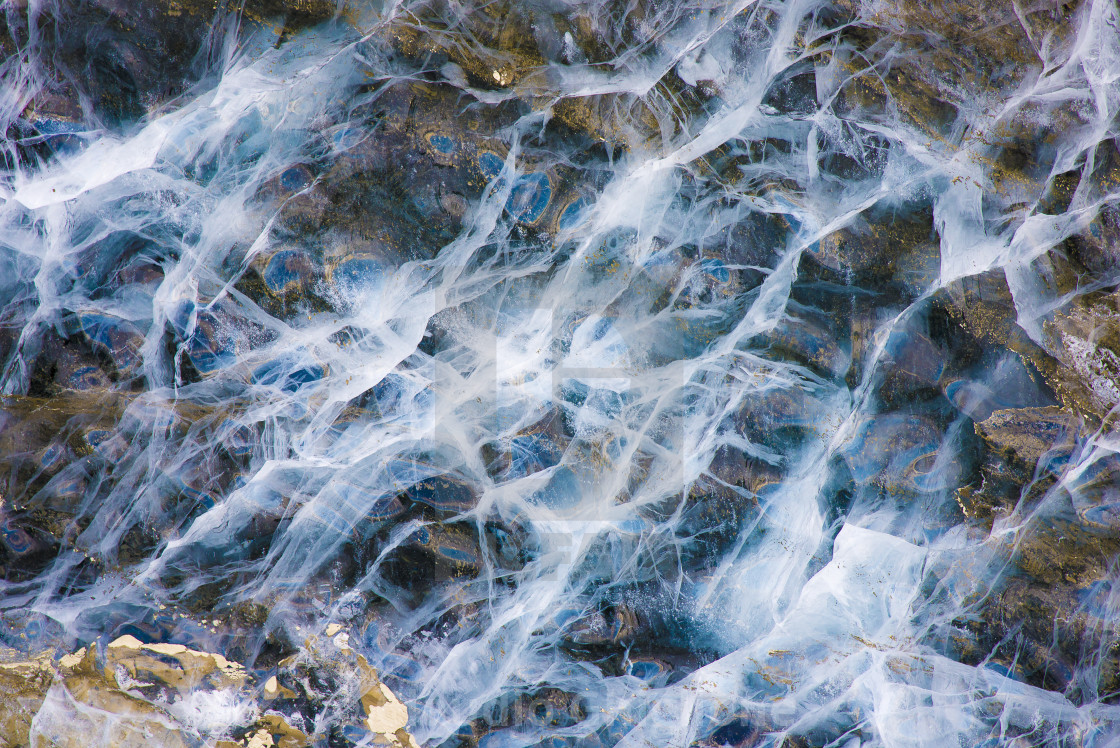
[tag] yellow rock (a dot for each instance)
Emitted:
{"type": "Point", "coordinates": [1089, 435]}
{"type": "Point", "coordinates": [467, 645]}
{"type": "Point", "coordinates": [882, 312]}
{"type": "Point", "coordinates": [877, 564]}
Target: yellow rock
{"type": "Point", "coordinates": [278, 726]}
{"type": "Point", "coordinates": [24, 685]}
{"type": "Point", "coordinates": [406, 739]}
{"type": "Point", "coordinates": [274, 689]}
{"type": "Point", "coordinates": [389, 716]}
{"type": "Point", "coordinates": [64, 703]}
{"type": "Point", "coordinates": [187, 671]}
{"type": "Point", "coordinates": [85, 706]}
{"type": "Point", "coordinates": [260, 739]}
{"type": "Point", "coordinates": [72, 660]}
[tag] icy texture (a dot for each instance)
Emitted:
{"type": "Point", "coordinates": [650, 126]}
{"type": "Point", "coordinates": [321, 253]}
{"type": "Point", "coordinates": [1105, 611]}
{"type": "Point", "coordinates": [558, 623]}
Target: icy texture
{"type": "Point", "coordinates": [616, 374]}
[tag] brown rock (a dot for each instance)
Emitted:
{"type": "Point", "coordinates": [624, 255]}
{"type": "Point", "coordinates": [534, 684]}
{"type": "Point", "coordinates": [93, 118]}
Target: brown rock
{"type": "Point", "coordinates": [1025, 434]}
{"type": "Point", "coordinates": [24, 684]}
{"type": "Point", "coordinates": [1085, 338]}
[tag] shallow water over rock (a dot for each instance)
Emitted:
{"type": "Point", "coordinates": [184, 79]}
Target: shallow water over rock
{"type": "Point", "coordinates": [577, 373]}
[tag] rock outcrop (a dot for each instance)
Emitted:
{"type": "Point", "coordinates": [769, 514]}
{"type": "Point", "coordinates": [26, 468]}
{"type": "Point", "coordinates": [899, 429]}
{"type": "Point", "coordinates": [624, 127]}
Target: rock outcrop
{"type": "Point", "coordinates": [140, 694]}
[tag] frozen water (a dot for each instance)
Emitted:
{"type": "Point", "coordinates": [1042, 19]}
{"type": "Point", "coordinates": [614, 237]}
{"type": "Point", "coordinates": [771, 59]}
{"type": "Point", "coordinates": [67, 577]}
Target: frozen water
{"type": "Point", "coordinates": [601, 366]}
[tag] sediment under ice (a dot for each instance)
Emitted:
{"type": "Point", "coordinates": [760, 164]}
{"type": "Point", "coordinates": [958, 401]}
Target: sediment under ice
{"type": "Point", "coordinates": [599, 373]}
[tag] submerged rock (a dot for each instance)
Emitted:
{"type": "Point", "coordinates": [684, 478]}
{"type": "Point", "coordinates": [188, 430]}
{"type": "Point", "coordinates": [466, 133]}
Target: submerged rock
{"type": "Point", "coordinates": [1049, 623]}
{"type": "Point", "coordinates": [575, 349]}
{"type": "Point", "coordinates": [1027, 449]}
{"type": "Point", "coordinates": [1085, 338]}
{"type": "Point", "coordinates": [1026, 434]}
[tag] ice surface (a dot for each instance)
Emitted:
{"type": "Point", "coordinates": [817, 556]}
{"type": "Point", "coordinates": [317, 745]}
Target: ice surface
{"type": "Point", "coordinates": [620, 391]}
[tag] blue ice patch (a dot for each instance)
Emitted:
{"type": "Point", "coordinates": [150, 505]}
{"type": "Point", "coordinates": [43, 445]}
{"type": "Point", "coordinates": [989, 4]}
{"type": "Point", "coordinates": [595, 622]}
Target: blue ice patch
{"type": "Point", "coordinates": [573, 214]}
{"type": "Point", "coordinates": [442, 144]}
{"type": "Point", "coordinates": [530, 197]}
{"type": "Point", "coordinates": [490, 164]}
